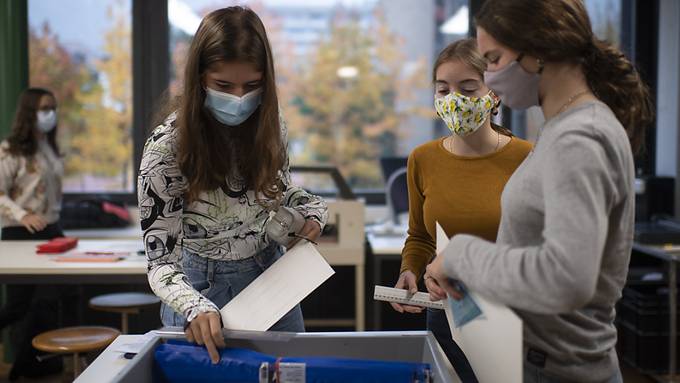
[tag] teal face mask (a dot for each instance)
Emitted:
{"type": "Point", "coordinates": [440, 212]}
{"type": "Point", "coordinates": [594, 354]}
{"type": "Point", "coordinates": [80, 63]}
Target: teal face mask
{"type": "Point", "coordinates": [229, 109]}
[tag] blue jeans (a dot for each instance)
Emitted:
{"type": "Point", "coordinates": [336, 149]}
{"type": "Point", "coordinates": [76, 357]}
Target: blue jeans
{"type": "Point", "coordinates": [439, 325]}
{"type": "Point", "coordinates": [220, 281]}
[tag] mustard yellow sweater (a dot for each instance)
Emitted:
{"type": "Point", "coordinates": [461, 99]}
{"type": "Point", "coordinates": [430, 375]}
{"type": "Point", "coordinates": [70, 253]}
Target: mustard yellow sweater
{"type": "Point", "coordinates": [463, 194]}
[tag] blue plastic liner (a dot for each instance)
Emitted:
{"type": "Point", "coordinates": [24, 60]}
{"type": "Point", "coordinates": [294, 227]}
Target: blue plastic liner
{"type": "Point", "coordinates": [339, 370]}
{"type": "Point", "coordinates": [178, 361]}
{"type": "Point", "coordinates": [184, 362]}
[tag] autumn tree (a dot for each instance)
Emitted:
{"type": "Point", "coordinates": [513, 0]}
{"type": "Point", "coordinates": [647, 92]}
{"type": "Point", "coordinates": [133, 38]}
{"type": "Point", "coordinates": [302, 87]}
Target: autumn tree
{"type": "Point", "coordinates": [347, 122]}
{"type": "Point", "coordinates": [352, 122]}
{"type": "Point", "coordinates": [95, 101]}
{"type": "Point", "coordinates": [52, 67]}
{"type": "Point", "coordinates": [105, 148]}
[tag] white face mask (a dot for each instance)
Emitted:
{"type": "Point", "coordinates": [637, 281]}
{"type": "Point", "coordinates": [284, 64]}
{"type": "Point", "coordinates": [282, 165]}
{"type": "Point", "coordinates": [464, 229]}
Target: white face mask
{"type": "Point", "coordinates": [47, 120]}
{"type": "Point", "coordinates": [232, 110]}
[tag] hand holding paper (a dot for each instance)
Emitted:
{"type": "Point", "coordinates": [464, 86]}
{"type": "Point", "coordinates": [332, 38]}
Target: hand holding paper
{"type": "Point", "coordinates": [435, 271]}
{"type": "Point", "coordinates": [492, 343]}
{"type": "Point", "coordinates": [277, 290]}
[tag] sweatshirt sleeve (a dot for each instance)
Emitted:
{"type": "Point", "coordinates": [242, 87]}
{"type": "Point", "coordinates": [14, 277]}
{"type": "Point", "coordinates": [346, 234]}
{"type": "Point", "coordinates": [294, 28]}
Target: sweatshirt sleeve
{"type": "Point", "coordinates": [309, 205]}
{"type": "Point", "coordinates": [561, 273]}
{"type": "Point", "coordinates": [419, 247]}
{"type": "Point", "coordinates": [161, 186]}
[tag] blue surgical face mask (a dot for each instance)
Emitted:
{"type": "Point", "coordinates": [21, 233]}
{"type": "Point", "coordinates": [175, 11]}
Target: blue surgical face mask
{"type": "Point", "coordinates": [47, 120]}
{"type": "Point", "coordinates": [229, 109]}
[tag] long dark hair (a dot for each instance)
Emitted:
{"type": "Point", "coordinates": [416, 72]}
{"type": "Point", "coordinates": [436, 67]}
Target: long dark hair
{"type": "Point", "coordinates": [465, 50]}
{"type": "Point", "coordinates": [205, 155]}
{"type": "Point", "coordinates": [560, 31]}
{"type": "Point", "coordinates": [22, 140]}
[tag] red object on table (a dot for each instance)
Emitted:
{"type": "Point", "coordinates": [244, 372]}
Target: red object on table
{"type": "Point", "coordinates": [57, 245]}
{"type": "Point", "coordinates": [95, 258]}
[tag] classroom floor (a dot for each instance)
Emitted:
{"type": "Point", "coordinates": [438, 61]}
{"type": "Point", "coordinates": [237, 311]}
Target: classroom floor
{"type": "Point", "coordinates": [4, 373]}
{"type": "Point", "coordinates": [629, 375]}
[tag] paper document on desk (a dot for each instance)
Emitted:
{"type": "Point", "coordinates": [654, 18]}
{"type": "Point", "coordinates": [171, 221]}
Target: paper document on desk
{"type": "Point", "coordinates": [492, 343]}
{"type": "Point", "coordinates": [277, 290]}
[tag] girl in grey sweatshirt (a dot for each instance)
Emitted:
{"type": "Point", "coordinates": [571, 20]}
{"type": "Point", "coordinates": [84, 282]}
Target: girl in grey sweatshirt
{"type": "Point", "coordinates": [567, 213]}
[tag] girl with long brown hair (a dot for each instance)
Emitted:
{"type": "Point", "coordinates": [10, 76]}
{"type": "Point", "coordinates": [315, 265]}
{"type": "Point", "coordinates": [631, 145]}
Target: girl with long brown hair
{"type": "Point", "coordinates": [456, 180]}
{"type": "Point", "coordinates": [210, 175]}
{"type": "Point", "coordinates": [31, 172]}
{"type": "Point", "coordinates": [31, 169]}
{"type": "Point", "coordinates": [566, 232]}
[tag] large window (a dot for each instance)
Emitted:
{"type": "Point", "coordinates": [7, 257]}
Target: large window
{"type": "Point", "coordinates": [353, 77]}
{"type": "Point", "coordinates": [605, 16]}
{"type": "Point", "coordinates": [81, 50]}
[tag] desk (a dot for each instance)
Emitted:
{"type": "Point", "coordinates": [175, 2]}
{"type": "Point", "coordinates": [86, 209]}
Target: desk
{"type": "Point", "coordinates": [670, 255]}
{"type": "Point", "coordinates": [346, 248]}
{"type": "Point", "coordinates": [385, 248]}
{"type": "Point", "coordinates": [384, 245]}
{"type": "Point", "coordinates": [130, 232]}
{"type": "Point", "coordinates": [19, 263]}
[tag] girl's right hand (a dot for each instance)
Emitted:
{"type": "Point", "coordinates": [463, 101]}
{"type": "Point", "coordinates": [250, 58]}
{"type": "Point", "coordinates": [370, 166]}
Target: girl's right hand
{"type": "Point", "coordinates": [206, 329]}
{"type": "Point", "coordinates": [436, 292]}
{"type": "Point", "coordinates": [33, 223]}
{"type": "Point", "coordinates": [407, 280]}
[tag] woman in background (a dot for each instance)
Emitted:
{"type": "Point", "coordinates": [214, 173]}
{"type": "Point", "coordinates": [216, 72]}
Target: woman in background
{"type": "Point", "coordinates": [31, 172]}
{"type": "Point", "coordinates": [456, 180]}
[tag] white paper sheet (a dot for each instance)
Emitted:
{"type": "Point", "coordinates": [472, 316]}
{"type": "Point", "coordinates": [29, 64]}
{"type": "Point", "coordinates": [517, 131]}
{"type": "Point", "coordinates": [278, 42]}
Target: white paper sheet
{"type": "Point", "coordinates": [276, 291]}
{"type": "Point", "coordinates": [135, 346]}
{"type": "Point", "coordinates": [492, 343]}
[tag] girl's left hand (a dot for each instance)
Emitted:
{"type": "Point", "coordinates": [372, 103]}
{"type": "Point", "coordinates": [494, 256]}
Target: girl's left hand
{"type": "Point", "coordinates": [436, 271]}
{"type": "Point", "coordinates": [310, 230]}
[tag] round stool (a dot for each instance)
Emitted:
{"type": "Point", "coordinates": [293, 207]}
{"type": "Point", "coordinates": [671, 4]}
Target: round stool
{"type": "Point", "coordinates": [123, 303]}
{"type": "Point", "coordinates": [75, 341]}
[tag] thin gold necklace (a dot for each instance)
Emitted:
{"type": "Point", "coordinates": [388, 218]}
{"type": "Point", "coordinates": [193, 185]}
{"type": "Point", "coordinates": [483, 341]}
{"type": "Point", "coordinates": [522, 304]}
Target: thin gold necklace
{"type": "Point", "coordinates": [571, 100]}
{"type": "Point", "coordinates": [561, 110]}
{"type": "Point", "coordinates": [498, 143]}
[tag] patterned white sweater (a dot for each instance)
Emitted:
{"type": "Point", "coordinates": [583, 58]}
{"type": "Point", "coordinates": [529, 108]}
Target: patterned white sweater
{"type": "Point", "coordinates": [219, 224]}
{"type": "Point", "coordinates": [30, 184]}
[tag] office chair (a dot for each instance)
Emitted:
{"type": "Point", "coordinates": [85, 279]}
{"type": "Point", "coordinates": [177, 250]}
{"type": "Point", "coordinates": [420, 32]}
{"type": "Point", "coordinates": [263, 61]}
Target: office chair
{"type": "Point", "coordinates": [389, 165]}
{"type": "Point", "coordinates": [396, 192]}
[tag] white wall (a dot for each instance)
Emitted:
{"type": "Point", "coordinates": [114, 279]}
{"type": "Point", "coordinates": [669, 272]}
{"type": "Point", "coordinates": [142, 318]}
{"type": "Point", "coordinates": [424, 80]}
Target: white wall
{"type": "Point", "coordinates": [668, 92]}
{"type": "Point", "coordinates": [668, 95]}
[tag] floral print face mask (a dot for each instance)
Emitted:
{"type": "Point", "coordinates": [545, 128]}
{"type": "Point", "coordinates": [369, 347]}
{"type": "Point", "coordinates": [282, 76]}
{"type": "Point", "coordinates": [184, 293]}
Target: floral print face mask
{"type": "Point", "coordinates": [464, 115]}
